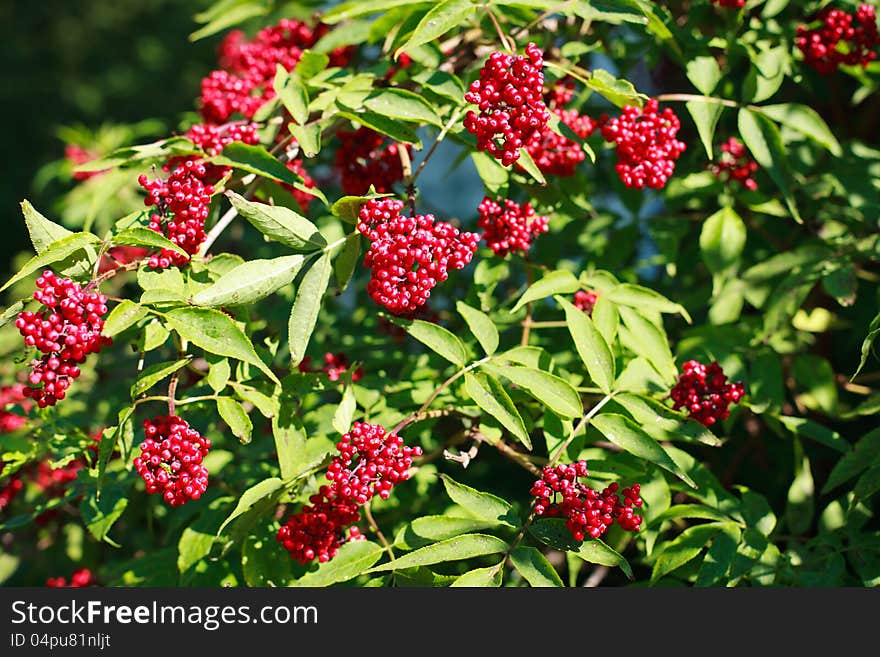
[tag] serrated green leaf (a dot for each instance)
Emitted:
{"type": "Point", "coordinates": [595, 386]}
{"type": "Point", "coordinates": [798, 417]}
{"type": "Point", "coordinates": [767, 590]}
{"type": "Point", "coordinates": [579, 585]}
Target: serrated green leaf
{"type": "Point", "coordinates": [279, 223]}
{"type": "Point", "coordinates": [481, 327]}
{"type": "Point", "coordinates": [155, 373]}
{"type": "Point", "coordinates": [444, 16]}
{"type": "Point", "coordinates": [480, 577]}
{"type": "Point", "coordinates": [534, 567]}
{"type": "Point", "coordinates": [124, 315]}
{"type": "Point", "coordinates": [437, 339]}
{"type": "Point", "coordinates": [617, 92]}
{"type": "Point", "coordinates": [41, 231]}
{"type": "Point", "coordinates": [467, 546]}
{"type": "Point", "coordinates": [649, 342]}
{"type": "Point", "coordinates": [353, 559]}
{"type": "Point", "coordinates": [636, 296]}
{"type": "Point", "coordinates": [140, 236]}
{"type": "Point", "coordinates": [490, 396]}
{"type": "Point", "coordinates": [705, 116]}
{"type": "Point", "coordinates": [556, 282]}
{"type": "Point", "coordinates": [722, 240]}
{"type": "Point", "coordinates": [250, 281]}
{"type": "Point", "coordinates": [556, 394]}
{"type": "Point", "coordinates": [236, 418]}
{"type": "Point", "coordinates": [255, 159]}
{"type": "Point", "coordinates": [591, 346]}
{"type": "Point", "coordinates": [484, 506]}
{"type": "Point", "coordinates": [53, 253]}
{"type": "Point", "coordinates": [260, 496]}
{"type": "Point", "coordinates": [345, 411]}
{"type": "Point", "coordinates": [402, 105]}
{"type": "Point", "coordinates": [306, 306]}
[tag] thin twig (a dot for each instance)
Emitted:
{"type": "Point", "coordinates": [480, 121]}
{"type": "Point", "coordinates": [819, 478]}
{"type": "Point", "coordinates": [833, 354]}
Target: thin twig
{"type": "Point", "coordinates": [446, 128]}
{"type": "Point", "coordinates": [507, 46]}
{"type": "Point", "coordinates": [540, 18]}
{"type": "Point", "coordinates": [372, 522]}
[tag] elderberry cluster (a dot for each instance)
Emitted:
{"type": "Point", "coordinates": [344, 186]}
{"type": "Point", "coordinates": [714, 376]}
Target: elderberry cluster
{"type": "Point", "coordinates": [11, 396]}
{"type": "Point", "coordinates": [587, 512]}
{"type": "Point", "coordinates": [250, 67]}
{"type": "Point", "coordinates": [841, 38]}
{"type": "Point", "coordinates": [736, 165]}
{"type": "Point", "coordinates": [181, 202]}
{"type": "Point", "coordinates": [511, 106]}
{"type": "Point", "coordinates": [645, 143]}
{"type": "Point", "coordinates": [80, 578]}
{"type": "Point", "coordinates": [301, 197]}
{"type": "Point", "coordinates": [509, 228]}
{"type": "Point", "coordinates": [370, 462]}
{"type": "Point", "coordinates": [703, 391]}
{"type": "Point", "coordinates": [555, 154]}
{"type": "Point", "coordinates": [65, 331]}
{"type": "Point", "coordinates": [365, 158]}
{"type": "Point", "coordinates": [585, 300]}
{"type": "Point", "coordinates": [212, 139]}
{"type": "Point", "coordinates": [335, 365]}
{"type": "Point", "coordinates": [170, 462]}
{"type": "Point", "coordinates": [408, 256]}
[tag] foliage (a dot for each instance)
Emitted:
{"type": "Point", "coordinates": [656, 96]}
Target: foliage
{"type": "Point", "coordinates": [506, 369]}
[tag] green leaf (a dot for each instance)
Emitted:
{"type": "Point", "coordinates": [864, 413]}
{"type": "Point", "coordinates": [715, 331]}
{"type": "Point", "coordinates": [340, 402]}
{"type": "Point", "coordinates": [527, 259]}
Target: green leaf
{"type": "Point", "coordinates": [636, 296]}
{"type": "Point", "coordinates": [481, 327]}
{"type": "Point", "coordinates": [292, 93]}
{"type": "Point", "coordinates": [345, 411]}
{"type": "Point", "coordinates": [443, 17]}
{"type": "Point", "coordinates": [444, 84]}
{"type": "Point", "coordinates": [56, 251]}
{"type": "Point", "coordinates": [42, 231]}
{"type": "Point", "coordinates": [100, 513]}
{"type": "Point", "coordinates": [196, 540]}
{"type": "Point", "coordinates": [805, 120]}
{"type": "Point", "coordinates": [490, 396]}
{"type": "Point", "coordinates": [250, 282]}
{"type": "Point", "coordinates": [308, 137]}
{"type": "Point", "coordinates": [353, 559]}
{"type": "Point", "coordinates": [155, 373]}
{"type": "Point", "coordinates": [534, 567]}
{"type": "Point", "coordinates": [606, 318]}
{"type": "Point", "coordinates": [346, 262]}
{"type": "Point", "coordinates": [402, 105]}
{"type": "Point", "coordinates": [494, 176]}
{"type": "Point", "coordinates": [216, 333]}
{"type": "Point", "coordinates": [684, 548]}
{"type": "Point", "coordinates": [650, 342]}
{"type": "Point", "coordinates": [591, 346]}
{"type": "Point", "coordinates": [556, 394]}
{"type": "Point", "coordinates": [617, 92]}
{"type": "Point", "coordinates": [124, 315]}
{"type": "Point", "coordinates": [255, 159]}
{"type": "Point", "coordinates": [663, 423]}
{"type": "Point", "coordinates": [800, 504]}
{"type": "Point", "coordinates": [430, 529]}
{"type": "Point", "coordinates": [815, 431]}
{"type": "Point", "coordinates": [762, 138]}
{"type": "Point", "coordinates": [484, 506]}
{"type": "Point", "coordinates": [258, 497]}
{"type": "Point", "coordinates": [718, 559]}
{"type": "Point", "coordinates": [396, 130]}
{"type": "Point", "coordinates": [140, 236]}
{"type": "Point", "coordinates": [279, 223]}
{"type": "Point", "coordinates": [595, 551]}
{"type": "Point", "coordinates": [868, 484]}
{"type": "Point", "coordinates": [704, 73]}
{"type": "Point", "coordinates": [236, 12]}
{"type": "Point", "coordinates": [467, 546]}
{"type": "Point", "coordinates": [306, 306]}
{"type": "Point", "coordinates": [260, 564]}
{"type": "Point", "coordinates": [356, 8]}
{"type": "Point", "coordinates": [624, 433]}
{"type": "Point", "coordinates": [526, 162]}
{"type": "Point", "coordinates": [556, 282]}
{"type": "Point", "coordinates": [851, 464]}
{"type": "Point", "coordinates": [553, 532]}
{"type": "Point", "coordinates": [722, 240]}
{"type": "Point", "coordinates": [218, 375]}
{"type": "Point", "coordinates": [705, 116]}
{"type": "Point", "coordinates": [481, 577]}
{"type": "Point", "coordinates": [297, 454]}
{"type": "Point", "coordinates": [437, 339]}
{"type": "Point", "coordinates": [236, 419]}
{"type": "Point", "coordinates": [348, 207]}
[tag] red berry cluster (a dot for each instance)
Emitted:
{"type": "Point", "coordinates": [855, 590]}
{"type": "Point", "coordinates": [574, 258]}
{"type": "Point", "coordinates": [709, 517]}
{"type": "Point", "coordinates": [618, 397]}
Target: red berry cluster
{"type": "Point", "coordinates": [10, 489]}
{"type": "Point", "coordinates": [81, 577]}
{"type": "Point", "coordinates": [182, 203]}
{"type": "Point", "coordinates": [11, 396]}
{"type": "Point", "coordinates": [587, 512]}
{"type": "Point", "coordinates": [53, 481]}
{"type": "Point", "coordinates": [301, 197]}
{"type": "Point", "coordinates": [408, 256]}
{"type": "Point", "coordinates": [170, 462]}
{"type": "Point", "coordinates": [646, 144]}
{"type": "Point", "coordinates": [736, 165]}
{"type": "Point", "coordinates": [585, 300]}
{"type": "Point", "coordinates": [365, 158]}
{"type": "Point", "coordinates": [78, 155]}
{"type": "Point", "coordinates": [509, 228]}
{"type": "Point", "coordinates": [703, 391]}
{"type": "Point", "coordinates": [510, 101]}
{"type": "Point", "coordinates": [212, 139]}
{"type": "Point", "coordinates": [730, 4]}
{"type": "Point", "coordinates": [370, 462]}
{"type": "Point", "coordinates": [66, 331]}
{"type": "Point", "coordinates": [554, 154]}
{"type": "Point", "coordinates": [251, 65]}
{"type": "Point", "coordinates": [335, 365]}
{"type": "Point", "coordinates": [841, 38]}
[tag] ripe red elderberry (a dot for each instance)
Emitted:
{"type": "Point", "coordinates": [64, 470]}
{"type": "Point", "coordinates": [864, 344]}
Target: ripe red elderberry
{"type": "Point", "coordinates": [841, 38]}
{"type": "Point", "coordinates": [170, 462]}
{"type": "Point", "coordinates": [703, 391]}
{"type": "Point", "coordinates": [212, 139]}
{"type": "Point", "coordinates": [335, 365]}
{"type": "Point", "coordinates": [81, 577]}
{"type": "Point", "coordinates": [730, 4]}
{"type": "Point", "coordinates": [646, 144]}
{"type": "Point", "coordinates": [511, 106]}
{"type": "Point", "coordinates": [370, 462]}
{"type": "Point", "coordinates": [365, 158]}
{"type": "Point", "coordinates": [11, 396]}
{"type": "Point", "coordinates": [585, 300]}
{"type": "Point", "coordinates": [65, 331]}
{"type": "Point", "coordinates": [408, 256]}
{"type": "Point", "coordinates": [319, 529]}
{"type": "Point", "coordinates": [182, 202]}
{"type": "Point", "coordinates": [736, 165]}
{"type": "Point", "coordinates": [511, 228]}
{"type": "Point", "coordinates": [587, 512]}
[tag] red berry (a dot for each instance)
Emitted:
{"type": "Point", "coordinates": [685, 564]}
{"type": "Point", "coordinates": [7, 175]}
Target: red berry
{"type": "Point", "coordinates": [736, 165]}
{"type": "Point", "coordinates": [646, 144]}
{"type": "Point", "coordinates": [510, 102]}
{"type": "Point", "coordinates": [170, 462]}
{"type": "Point", "coordinates": [81, 577]}
{"type": "Point", "coordinates": [586, 301]}
{"type": "Point", "coordinates": [704, 393]}
{"type": "Point", "coordinates": [730, 4]}
{"type": "Point", "coordinates": [511, 228]}
{"type": "Point", "coordinates": [335, 365]}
